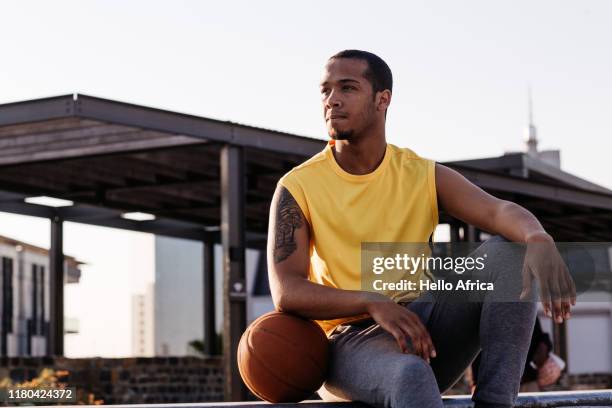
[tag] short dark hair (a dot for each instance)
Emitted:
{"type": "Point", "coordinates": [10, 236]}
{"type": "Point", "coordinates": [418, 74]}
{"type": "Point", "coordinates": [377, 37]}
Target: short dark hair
{"type": "Point", "coordinates": [378, 72]}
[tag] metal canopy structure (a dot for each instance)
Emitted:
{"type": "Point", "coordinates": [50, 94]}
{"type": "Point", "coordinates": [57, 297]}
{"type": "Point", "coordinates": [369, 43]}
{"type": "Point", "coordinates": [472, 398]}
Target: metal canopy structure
{"type": "Point", "coordinates": [108, 156]}
{"type": "Point", "coordinates": [213, 181]}
{"type": "Point", "coordinates": [569, 208]}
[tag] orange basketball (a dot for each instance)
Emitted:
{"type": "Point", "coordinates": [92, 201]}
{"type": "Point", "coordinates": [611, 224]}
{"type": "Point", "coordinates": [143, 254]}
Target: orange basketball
{"type": "Point", "coordinates": [283, 357]}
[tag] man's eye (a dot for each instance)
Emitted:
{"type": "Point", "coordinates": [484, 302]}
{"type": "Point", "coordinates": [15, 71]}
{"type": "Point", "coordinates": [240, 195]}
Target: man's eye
{"type": "Point", "coordinates": [348, 88]}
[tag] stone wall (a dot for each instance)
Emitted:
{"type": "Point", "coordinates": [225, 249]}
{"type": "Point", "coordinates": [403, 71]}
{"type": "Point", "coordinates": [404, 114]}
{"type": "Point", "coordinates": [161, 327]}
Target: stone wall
{"type": "Point", "coordinates": [594, 381]}
{"type": "Point", "coordinates": [129, 380]}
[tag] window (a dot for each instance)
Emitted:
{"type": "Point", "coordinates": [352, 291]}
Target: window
{"type": "Point", "coordinates": [38, 300]}
{"type": "Point", "coordinates": [41, 288]}
{"type": "Point", "coordinates": [7, 294]}
{"type": "Point", "coordinates": [6, 320]}
{"type": "Point", "coordinates": [34, 298]}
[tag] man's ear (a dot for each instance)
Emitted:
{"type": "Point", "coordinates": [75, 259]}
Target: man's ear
{"type": "Point", "coordinates": [384, 100]}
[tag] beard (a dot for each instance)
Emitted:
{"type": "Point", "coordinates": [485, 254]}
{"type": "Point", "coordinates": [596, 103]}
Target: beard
{"type": "Point", "coordinates": [364, 121]}
{"type": "Point", "coordinates": [341, 134]}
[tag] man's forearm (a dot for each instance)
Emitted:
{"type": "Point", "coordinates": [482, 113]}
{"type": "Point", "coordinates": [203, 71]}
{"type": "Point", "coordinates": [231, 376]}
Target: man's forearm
{"type": "Point", "coordinates": [319, 302]}
{"type": "Point", "coordinates": [517, 224]}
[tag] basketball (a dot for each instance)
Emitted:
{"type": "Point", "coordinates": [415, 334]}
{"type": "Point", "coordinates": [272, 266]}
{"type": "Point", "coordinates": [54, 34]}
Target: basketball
{"type": "Point", "coordinates": [283, 357]}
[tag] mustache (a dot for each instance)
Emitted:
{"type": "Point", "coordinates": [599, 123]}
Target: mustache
{"type": "Point", "coordinates": [335, 115]}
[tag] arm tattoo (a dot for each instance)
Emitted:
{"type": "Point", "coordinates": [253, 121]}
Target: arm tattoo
{"type": "Point", "coordinates": [288, 219]}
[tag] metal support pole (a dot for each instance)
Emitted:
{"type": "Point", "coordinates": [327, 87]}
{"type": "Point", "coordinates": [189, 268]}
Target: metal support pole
{"type": "Point", "coordinates": [234, 282]}
{"type": "Point", "coordinates": [478, 234]}
{"type": "Point", "coordinates": [454, 232]}
{"type": "Point", "coordinates": [208, 262]}
{"type": "Point", "coordinates": [560, 341]}
{"type": "Point", "coordinates": [55, 339]}
{"type": "Point", "coordinates": [470, 233]}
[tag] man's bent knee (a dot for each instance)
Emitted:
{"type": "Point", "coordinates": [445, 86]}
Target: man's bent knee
{"type": "Point", "coordinates": [414, 384]}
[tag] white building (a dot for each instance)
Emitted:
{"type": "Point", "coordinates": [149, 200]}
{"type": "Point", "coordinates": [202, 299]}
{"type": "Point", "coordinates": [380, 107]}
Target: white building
{"type": "Point", "coordinates": [24, 300]}
{"type": "Point", "coordinates": [143, 323]}
{"type": "Point", "coordinates": [179, 291]}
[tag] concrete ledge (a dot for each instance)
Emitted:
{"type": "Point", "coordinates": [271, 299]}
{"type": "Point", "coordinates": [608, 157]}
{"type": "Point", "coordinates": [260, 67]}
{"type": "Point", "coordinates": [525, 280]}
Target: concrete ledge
{"type": "Point", "coordinates": [561, 399]}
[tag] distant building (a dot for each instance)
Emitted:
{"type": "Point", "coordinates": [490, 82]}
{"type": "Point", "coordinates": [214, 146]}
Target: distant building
{"type": "Point", "coordinates": [551, 157]}
{"type": "Point", "coordinates": [24, 304]}
{"type": "Point", "coordinates": [593, 315]}
{"type": "Point", "coordinates": [142, 323]}
{"type": "Point", "coordinates": [179, 292]}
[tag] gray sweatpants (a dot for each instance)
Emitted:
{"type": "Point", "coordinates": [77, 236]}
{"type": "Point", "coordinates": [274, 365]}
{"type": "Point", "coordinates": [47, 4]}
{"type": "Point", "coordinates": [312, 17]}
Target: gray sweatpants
{"type": "Point", "coordinates": [367, 365]}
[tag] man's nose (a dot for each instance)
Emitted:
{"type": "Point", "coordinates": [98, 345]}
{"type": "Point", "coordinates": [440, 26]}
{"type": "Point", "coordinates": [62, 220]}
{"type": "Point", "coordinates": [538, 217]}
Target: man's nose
{"type": "Point", "coordinates": [333, 100]}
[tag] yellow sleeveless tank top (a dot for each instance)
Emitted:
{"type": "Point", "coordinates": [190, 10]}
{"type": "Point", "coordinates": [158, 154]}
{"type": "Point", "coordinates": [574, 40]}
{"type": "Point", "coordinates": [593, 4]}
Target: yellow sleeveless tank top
{"type": "Point", "coordinates": [394, 203]}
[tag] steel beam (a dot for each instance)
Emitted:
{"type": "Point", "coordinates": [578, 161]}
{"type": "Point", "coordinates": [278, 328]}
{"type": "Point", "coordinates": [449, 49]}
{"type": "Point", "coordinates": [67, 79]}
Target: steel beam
{"type": "Point", "coordinates": [471, 233]}
{"type": "Point", "coordinates": [566, 195]}
{"type": "Point", "coordinates": [55, 339]}
{"type": "Point", "coordinates": [36, 110]}
{"type": "Point", "coordinates": [234, 282]}
{"type": "Point", "coordinates": [194, 126]}
{"type": "Point", "coordinates": [559, 341]}
{"type": "Point", "coordinates": [209, 298]}
{"type": "Point", "coordinates": [454, 230]}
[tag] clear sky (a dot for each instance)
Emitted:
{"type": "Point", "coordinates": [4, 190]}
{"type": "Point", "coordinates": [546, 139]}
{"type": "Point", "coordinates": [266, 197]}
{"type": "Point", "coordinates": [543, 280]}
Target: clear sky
{"type": "Point", "coordinates": [461, 70]}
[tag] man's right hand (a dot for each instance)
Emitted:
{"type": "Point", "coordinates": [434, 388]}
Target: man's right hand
{"type": "Point", "coordinates": [404, 325]}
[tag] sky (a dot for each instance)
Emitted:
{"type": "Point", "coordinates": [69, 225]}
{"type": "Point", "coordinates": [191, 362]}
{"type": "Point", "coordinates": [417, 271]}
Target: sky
{"type": "Point", "coordinates": [461, 72]}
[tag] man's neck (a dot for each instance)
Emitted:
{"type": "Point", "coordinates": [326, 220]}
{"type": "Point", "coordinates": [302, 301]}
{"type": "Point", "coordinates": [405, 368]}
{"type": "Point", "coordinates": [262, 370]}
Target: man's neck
{"type": "Point", "coordinates": [361, 156]}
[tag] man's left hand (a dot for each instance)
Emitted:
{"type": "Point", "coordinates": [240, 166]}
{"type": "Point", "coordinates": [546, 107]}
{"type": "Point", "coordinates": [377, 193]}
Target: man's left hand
{"type": "Point", "coordinates": [556, 286]}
